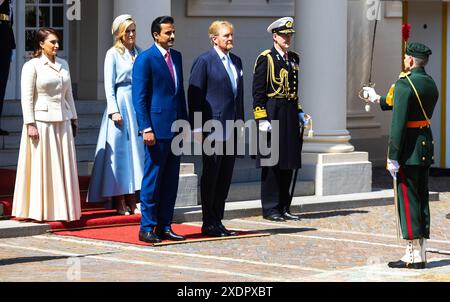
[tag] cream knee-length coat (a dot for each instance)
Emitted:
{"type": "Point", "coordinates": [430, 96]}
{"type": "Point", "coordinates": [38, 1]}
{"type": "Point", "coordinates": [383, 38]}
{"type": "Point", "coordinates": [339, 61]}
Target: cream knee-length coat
{"type": "Point", "coordinates": [47, 186]}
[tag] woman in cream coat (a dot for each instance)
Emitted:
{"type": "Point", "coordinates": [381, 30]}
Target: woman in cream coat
{"type": "Point", "coordinates": [47, 180]}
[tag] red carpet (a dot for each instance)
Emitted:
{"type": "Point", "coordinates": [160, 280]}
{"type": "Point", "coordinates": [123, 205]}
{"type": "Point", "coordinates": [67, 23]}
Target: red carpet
{"type": "Point", "coordinates": [96, 218]}
{"type": "Point", "coordinates": [8, 179]}
{"type": "Point", "coordinates": [99, 223]}
{"type": "Point", "coordinates": [130, 234]}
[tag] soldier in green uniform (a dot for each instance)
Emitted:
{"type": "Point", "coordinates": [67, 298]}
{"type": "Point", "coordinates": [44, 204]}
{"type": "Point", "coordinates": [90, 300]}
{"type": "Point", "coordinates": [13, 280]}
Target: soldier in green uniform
{"type": "Point", "coordinates": [412, 99]}
{"type": "Point", "coordinates": [275, 83]}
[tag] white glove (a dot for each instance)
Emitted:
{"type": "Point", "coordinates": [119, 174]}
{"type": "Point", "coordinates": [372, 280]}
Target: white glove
{"type": "Point", "coordinates": [371, 94]}
{"type": "Point", "coordinates": [393, 166]}
{"type": "Point", "coordinates": [265, 126]}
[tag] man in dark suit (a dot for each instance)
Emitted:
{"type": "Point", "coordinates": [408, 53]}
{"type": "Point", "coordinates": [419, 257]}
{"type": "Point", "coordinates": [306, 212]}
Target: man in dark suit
{"type": "Point", "coordinates": [159, 100]}
{"type": "Point", "coordinates": [216, 92]}
{"type": "Point", "coordinates": [275, 98]}
{"type": "Point", "coordinates": [6, 47]}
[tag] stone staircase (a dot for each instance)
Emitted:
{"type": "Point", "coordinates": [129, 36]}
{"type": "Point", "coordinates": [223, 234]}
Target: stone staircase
{"type": "Point", "coordinates": [90, 114]}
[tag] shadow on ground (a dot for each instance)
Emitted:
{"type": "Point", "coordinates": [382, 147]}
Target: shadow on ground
{"type": "Point", "coordinates": [438, 263]}
{"type": "Point", "coordinates": [21, 260]}
{"type": "Point", "coordinates": [288, 230]}
{"type": "Point", "coordinates": [331, 214]}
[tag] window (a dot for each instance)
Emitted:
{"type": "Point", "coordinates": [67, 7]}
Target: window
{"type": "Point", "coordinates": [43, 13]}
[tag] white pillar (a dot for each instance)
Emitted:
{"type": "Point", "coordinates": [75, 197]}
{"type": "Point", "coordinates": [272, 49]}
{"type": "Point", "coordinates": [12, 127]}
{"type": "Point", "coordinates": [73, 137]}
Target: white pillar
{"type": "Point", "coordinates": [328, 157]}
{"type": "Point", "coordinates": [104, 42]}
{"type": "Point", "coordinates": [321, 39]}
{"type": "Point", "coordinates": [143, 12]}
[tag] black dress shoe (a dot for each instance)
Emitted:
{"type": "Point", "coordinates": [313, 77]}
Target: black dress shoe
{"type": "Point", "coordinates": [169, 235]}
{"type": "Point", "coordinates": [289, 216]}
{"type": "Point", "coordinates": [228, 232]}
{"type": "Point", "coordinates": [149, 237]}
{"type": "Point", "coordinates": [3, 132]}
{"type": "Point", "coordinates": [402, 264]}
{"type": "Point", "coordinates": [213, 231]}
{"type": "Point", "coordinates": [275, 217]}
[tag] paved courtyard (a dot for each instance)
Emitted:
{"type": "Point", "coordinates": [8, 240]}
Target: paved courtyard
{"type": "Point", "coordinates": [344, 245]}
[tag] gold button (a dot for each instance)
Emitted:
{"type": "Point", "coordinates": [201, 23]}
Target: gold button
{"type": "Point", "coordinates": [424, 143]}
{"type": "Point", "coordinates": [432, 142]}
{"type": "Point", "coordinates": [423, 158]}
{"type": "Point", "coordinates": [432, 157]}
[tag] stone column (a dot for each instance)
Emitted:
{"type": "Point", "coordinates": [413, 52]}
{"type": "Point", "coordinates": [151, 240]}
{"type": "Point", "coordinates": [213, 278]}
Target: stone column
{"type": "Point", "coordinates": [321, 40]}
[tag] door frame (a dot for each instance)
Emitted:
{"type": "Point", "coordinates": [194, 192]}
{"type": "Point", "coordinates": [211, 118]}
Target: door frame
{"type": "Point", "coordinates": [22, 55]}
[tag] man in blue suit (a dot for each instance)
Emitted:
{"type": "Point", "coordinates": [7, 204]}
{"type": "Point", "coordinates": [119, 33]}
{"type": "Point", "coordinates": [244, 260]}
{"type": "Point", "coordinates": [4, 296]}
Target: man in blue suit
{"type": "Point", "coordinates": [216, 93]}
{"type": "Point", "coordinates": [159, 100]}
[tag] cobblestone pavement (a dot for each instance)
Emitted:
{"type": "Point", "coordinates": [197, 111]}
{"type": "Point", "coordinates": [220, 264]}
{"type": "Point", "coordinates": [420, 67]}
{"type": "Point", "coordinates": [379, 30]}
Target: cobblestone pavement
{"type": "Point", "coordinates": [345, 245]}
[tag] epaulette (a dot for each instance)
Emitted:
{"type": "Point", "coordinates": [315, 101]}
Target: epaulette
{"type": "Point", "coordinates": [404, 74]}
{"type": "Point", "coordinates": [265, 52]}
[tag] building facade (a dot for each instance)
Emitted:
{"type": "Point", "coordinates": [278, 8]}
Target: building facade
{"type": "Point", "coordinates": [334, 39]}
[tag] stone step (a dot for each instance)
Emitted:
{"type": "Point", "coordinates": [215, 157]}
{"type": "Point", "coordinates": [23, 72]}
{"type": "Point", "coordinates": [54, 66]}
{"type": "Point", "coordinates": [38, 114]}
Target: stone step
{"type": "Point", "coordinates": [14, 124]}
{"type": "Point", "coordinates": [12, 228]}
{"type": "Point", "coordinates": [84, 137]}
{"type": "Point", "coordinates": [9, 157]}
{"type": "Point", "coordinates": [252, 190]}
{"type": "Point", "coordinates": [85, 168]}
{"type": "Point", "coordinates": [14, 108]}
{"type": "Point", "coordinates": [244, 169]}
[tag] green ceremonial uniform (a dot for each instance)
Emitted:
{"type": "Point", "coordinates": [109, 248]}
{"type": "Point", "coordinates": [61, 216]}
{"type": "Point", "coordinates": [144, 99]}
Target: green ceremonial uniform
{"type": "Point", "coordinates": [411, 145]}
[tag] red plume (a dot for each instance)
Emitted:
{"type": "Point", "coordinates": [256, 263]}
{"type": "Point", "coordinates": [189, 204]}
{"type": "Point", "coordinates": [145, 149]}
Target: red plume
{"type": "Point", "coordinates": [406, 28]}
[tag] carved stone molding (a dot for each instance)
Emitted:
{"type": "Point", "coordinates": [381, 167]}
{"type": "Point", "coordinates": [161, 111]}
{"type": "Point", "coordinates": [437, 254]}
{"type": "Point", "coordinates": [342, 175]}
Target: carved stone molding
{"type": "Point", "coordinates": [240, 8]}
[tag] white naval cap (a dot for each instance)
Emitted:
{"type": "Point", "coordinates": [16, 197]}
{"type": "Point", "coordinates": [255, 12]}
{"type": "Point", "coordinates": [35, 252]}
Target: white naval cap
{"type": "Point", "coordinates": [118, 21]}
{"type": "Point", "coordinates": [283, 25]}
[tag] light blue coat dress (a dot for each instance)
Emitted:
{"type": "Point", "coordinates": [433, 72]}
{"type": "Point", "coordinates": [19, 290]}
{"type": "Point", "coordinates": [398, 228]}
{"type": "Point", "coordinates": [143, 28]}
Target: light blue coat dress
{"type": "Point", "coordinates": [119, 157]}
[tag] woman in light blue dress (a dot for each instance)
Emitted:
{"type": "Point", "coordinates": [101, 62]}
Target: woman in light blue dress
{"type": "Point", "coordinates": [119, 158]}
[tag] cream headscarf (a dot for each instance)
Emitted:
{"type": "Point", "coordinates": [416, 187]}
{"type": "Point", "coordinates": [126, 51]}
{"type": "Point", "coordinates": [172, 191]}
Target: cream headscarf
{"type": "Point", "coordinates": [118, 21]}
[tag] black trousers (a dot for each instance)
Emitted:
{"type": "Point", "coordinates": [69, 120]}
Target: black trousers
{"type": "Point", "coordinates": [5, 61]}
{"type": "Point", "coordinates": [214, 186]}
{"type": "Point", "coordinates": [275, 185]}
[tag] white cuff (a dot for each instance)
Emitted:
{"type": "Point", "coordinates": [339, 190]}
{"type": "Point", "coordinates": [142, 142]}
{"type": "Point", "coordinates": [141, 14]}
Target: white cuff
{"type": "Point", "coordinates": [265, 126]}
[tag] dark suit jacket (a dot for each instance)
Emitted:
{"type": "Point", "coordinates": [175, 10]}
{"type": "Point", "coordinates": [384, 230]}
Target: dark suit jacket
{"type": "Point", "coordinates": [6, 32]}
{"type": "Point", "coordinates": [156, 101]}
{"type": "Point", "coordinates": [210, 91]}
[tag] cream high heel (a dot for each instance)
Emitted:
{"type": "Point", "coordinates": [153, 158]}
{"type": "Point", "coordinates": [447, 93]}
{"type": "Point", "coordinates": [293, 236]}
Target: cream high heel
{"type": "Point", "coordinates": [131, 204]}
{"type": "Point", "coordinates": [121, 207]}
